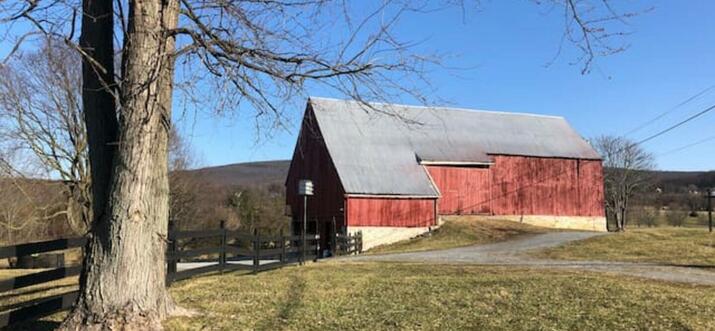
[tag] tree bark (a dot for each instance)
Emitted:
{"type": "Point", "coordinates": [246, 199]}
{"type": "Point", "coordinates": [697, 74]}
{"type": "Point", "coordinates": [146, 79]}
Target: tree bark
{"type": "Point", "coordinates": [122, 285]}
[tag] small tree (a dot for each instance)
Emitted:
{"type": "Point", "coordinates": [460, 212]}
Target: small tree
{"type": "Point", "coordinates": [644, 215]}
{"type": "Point", "coordinates": [260, 208]}
{"type": "Point", "coordinates": [626, 172]}
{"type": "Point", "coordinates": [676, 215]}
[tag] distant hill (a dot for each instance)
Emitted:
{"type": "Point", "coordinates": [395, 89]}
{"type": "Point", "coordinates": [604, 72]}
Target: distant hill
{"type": "Point", "coordinates": [244, 174]}
{"type": "Point", "coordinates": [674, 180]}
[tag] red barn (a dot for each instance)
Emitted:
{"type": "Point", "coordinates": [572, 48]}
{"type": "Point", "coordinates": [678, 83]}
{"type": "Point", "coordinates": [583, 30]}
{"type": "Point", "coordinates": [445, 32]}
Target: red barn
{"type": "Point", "coordinates": [390, 171]}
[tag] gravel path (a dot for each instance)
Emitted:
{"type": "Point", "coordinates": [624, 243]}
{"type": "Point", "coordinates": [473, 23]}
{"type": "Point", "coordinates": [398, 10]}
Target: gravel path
{"type": "Point", "coordinates": [511, 253]}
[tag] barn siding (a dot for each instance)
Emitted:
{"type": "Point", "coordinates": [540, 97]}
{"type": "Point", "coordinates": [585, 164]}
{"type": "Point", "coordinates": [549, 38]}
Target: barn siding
{"type": "Point", "coordinates": [546, 186]}
{"type": "Point", "coordinates": [311, 160]}
{"type": "Point", "coordinates": [464, 190]}
{"type": "Point", "coordinates": [519, 185]}
{"type": "Point", "coordinates": [591, 193]}
{"type": "Point", "coordinates": [363, 211]}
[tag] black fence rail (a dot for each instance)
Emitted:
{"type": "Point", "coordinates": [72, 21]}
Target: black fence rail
{"type": "Point", "coordinates": [36, 308]}
{"type": "Point", "coordinates": [238, 250]}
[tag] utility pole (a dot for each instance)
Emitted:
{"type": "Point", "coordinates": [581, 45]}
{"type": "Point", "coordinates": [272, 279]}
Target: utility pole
{"type": "Point", "coordinates": [305, 188]}
{"type": "Point", "coordinates": [710, 209]}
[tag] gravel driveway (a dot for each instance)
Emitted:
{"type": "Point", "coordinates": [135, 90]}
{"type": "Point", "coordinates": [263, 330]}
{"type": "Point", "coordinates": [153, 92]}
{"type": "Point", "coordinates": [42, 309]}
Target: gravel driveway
{"type": "Point", "coordinates": [511, 253]}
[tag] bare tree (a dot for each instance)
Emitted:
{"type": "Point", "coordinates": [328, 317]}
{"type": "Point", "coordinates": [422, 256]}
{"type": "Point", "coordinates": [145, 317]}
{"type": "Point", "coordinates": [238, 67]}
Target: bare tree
{"type": "Point", "coordinates": [42, 119]}
{"type": "Point", "coordinates": [258, 53]}
{"type": "Point", "coordinates": [184, 187]}
{"type": "Point", "coordinates": [626, 172]}
{"type": "Point", "coordinates": [30, 210]}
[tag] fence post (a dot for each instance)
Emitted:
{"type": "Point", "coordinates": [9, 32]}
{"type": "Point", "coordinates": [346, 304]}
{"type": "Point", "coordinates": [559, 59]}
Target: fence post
{"type": "Point", "coordinates": [171, 253]}
{"type": "Point", "coordinates": [256, 250]}
{"type": "Point", "coordinates": [360, 242]}
{"type": "Point", "coordinates": [222, 250]}
{"type": "Point", "coordinates": [317, 248]}
{"type": "Point", "coordinates": [283, 249]}
{"type": "Point", "coordinates": [334, 239]}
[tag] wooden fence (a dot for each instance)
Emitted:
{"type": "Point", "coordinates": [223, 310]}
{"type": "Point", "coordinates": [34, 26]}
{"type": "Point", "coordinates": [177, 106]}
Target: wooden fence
{"type": "Point", "coordinates": [236, 250]}
{"type": "Point", "coordinates": [232, 250]}
{"type": "Point", "coordinates": [347, 244]}
{"type": "Point", "coordinates": [41, 307]}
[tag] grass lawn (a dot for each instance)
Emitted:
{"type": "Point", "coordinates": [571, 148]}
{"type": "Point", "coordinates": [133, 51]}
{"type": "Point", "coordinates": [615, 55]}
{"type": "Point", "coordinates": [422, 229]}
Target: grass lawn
{"type": "Point", "coordinates": [383, 296]}
{"type": "Point", "coordinates": [678, 246]}
{"type": "Point", "coordinates": [460, 231]}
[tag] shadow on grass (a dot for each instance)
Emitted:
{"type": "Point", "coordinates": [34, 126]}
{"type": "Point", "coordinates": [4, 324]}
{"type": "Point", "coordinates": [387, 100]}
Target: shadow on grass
{"type": "Point", "coordinates": [33, 326]}
{"type": "Point", "coordinates": [685, 265]}
{"type": "Point", "coordinates": [19, 293]}
{"type": "Point", "coordinates": [292, 301]}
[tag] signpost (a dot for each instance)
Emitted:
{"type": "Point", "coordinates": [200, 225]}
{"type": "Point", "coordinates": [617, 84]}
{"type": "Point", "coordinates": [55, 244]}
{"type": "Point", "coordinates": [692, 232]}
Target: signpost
{"type": "Point", "coordinates": [305, 188]}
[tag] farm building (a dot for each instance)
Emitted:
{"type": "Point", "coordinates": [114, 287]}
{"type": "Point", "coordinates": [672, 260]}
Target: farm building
{"type": "Point", "coordinates": [390, 171]}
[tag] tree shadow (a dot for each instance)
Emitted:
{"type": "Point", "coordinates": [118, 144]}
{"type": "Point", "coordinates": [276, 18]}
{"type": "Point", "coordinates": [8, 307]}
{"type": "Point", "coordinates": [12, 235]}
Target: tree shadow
{"type": "Point", "coordinates": [685, 265]}
{"type": "Point", "coordinates": [33, 326]}
{"type": "Point", "coordinates": [292, 301]}
{"type": "Point", "coordinates": [22, 292]}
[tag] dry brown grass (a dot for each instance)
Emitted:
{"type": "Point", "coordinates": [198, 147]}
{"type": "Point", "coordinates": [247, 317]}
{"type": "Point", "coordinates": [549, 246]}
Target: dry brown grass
{"type": "Point", "coordinates": [393, 296]}
{"type": "Point", "coordinates": [458, 231]}
{"type": "Point", "coordinates": [667, 245]}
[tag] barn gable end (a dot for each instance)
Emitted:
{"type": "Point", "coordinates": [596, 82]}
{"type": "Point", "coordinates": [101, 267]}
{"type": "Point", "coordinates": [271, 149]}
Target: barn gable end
{"type": "Point", "coordinates": [311, 160]}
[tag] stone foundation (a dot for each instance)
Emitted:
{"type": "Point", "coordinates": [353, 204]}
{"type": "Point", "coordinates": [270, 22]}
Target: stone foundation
{"type": "Point", "coordinates": [382, 235]}
{"type": "Point", "coordinates": [588, 223]}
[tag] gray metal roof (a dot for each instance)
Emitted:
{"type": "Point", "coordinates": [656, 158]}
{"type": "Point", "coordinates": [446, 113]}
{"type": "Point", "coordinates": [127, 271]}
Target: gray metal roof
{"type": "Point", "coordinates": [378, 149]}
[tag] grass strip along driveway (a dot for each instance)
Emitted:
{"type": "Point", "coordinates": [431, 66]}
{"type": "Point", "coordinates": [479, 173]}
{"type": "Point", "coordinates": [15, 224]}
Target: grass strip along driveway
{"type": "Point", "coordinates": [389, 296]}
{"type": "Point", "coordinates": [460, 231]}
{"type": "Point", "coordinates": [668, 246]}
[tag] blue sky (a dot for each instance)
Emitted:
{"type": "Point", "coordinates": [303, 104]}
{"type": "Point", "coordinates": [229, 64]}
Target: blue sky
{"type": "Point", "coordinates": [507, 44]}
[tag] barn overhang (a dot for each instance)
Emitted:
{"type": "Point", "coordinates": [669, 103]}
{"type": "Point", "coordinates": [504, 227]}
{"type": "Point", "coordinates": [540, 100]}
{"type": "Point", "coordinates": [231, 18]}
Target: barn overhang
{"type": "Point", "coordinates": [390, 196]}
{"type": "Point", "coordinates": [457, 163]}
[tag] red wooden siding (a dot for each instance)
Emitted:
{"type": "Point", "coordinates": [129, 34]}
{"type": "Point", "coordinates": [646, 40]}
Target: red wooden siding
{"type": "Point", "coordinates": [546, 186]}
{"type": "Point", "coordinates": [591, 195]}
{"type": "Point", "coordinates": [390, 212]}
{"type": "Point", "coordinates": [464, 190]}
{"type": "Point", "coordinates": [311, 160]}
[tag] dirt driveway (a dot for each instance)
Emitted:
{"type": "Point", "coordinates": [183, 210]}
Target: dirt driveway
{"type": "Point", "coordinates": [512, 253]}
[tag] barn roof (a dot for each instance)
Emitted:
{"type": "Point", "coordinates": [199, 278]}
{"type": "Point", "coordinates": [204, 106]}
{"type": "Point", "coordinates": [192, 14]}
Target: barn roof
{"type": "Point", "coordinates": [379, 149]}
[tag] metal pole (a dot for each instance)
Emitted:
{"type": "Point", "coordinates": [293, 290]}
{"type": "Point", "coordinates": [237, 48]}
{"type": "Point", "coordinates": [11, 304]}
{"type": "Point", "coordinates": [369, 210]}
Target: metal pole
{"type": "Point", "coordinates": [710, 210]}
{"type": "Point", "coordinates": [305, 224]}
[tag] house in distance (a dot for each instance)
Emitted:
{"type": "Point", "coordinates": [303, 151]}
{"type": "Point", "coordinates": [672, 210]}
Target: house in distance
{"type": "Point", "coordinates": [391, 171]}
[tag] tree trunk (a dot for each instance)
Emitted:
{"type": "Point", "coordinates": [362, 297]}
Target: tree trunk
{"type": "Point", "coordinates": [122, 285]}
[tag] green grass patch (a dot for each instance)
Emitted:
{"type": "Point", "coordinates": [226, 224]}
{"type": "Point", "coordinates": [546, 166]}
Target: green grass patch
{"type": "Point", "coordinates": [458, 231]}
{"type": "Point", "coordinates": [677, 246]}
{"type": "Point", "coordinates": [384, 296]}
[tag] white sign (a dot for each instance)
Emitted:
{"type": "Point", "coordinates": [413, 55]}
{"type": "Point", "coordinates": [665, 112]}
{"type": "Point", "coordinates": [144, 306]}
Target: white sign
{"type": "Point", "coordinates": [305, 187]}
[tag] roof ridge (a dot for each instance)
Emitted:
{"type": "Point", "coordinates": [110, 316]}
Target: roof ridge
{"type": "Point", "coordinates": [460, 109]}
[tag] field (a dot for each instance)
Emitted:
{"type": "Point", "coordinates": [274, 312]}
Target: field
{"type": "Point", "coordinates": [667, 245]}
{"type": "Point", "coordinates": [374, 296]}
{"type": "Point", "coordinates": [460, 231]}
